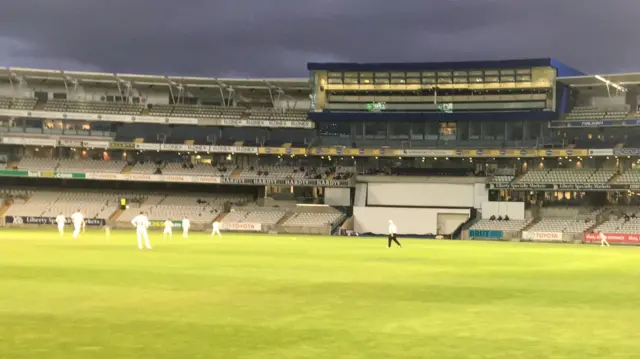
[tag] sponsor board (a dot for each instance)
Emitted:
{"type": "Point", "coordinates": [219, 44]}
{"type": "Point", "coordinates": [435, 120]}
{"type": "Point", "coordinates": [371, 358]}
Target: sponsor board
{"type": "Point", "coordinates": [29, 141]}
{"type": "Point", "coordinates": [233, 149]}
{"type": "Point", "coordinates": [613, 238]}
{"type": "Point", "coordinates": [160, 224]}
{"type": "Point", "coordinates": [70, 143]}
{"type": "Point", "coordinates": [96, 144]}
{"type": "Point", "coordinates": [428, 153]}
{"type": "Point", "coordinates": [564, 186]}
{"type": "Point", "coordinates": [148, 146]}
{"type": "Point", "coordinates": [185, 148]}
{"type": "Point", "coordinates": [253, 227]}
{"type": "Point", "coordinates": [18, 220]}
{"type": "Point", "coordinates": [268, 123]}
{"type": "Point", "coordinates": [542, 236]}
{"type": "Point", "coordinates": [601, 152]}
{"type": "Point", "coordinates": [485, 234]}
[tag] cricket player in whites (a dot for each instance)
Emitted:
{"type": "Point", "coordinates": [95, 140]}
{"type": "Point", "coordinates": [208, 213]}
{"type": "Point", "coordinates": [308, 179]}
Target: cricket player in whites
{"type": "Point", "coordinates": [78, 220]}
{"type": "Point", "coordinates": [603, 240]}
{"type": "Point", "coordinates": [216, 229]}
{"type": "Point", "coordinates": [185, 227]}
{"type": "Point", "coordinates": [141, 222]}
{"type": "Point", "coordinates": [60, 221]}
{"type": "Point", "coordinates": [168, 229]}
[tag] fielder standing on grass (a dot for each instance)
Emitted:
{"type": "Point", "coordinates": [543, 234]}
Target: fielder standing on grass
{"type": "Point", "coordinates": [168, 230]}
{"type": "Point", "coordinates": [216, 229]}
{"type": "Point", "coordinates": [78, 220]}
{"type": "Point", "coordinates": [185, 227]}
{"type": "Point", "coordinates": [141, 222]}
{"type": "Point", "coordinates": [393, 231]}
{"type": "Point", "coordinates": [603, 240]}
{"type": "Point", "coordinates": [60, 220]}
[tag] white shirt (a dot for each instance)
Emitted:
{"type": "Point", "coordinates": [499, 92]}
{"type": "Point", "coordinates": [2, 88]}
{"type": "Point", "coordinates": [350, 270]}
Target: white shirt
{"type": "Point", "coordinates": [77, 218]}
{"type": "Point", "coordinates": [602, 236]}
{"type": "Point", "coordinates": [185, 223]}
{"type": "Point", "coordinates": [140, 221]}
{"type": "Point", "coordinates": [60, 220]}
{"type": "Point", "coordinates": [392, 228]}
{"type": "Point", "coordinates": [168, 224]}
{"type": "Point", "coordinates": [216, 226]}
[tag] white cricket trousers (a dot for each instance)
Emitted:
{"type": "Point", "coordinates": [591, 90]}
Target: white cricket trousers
{"type": "Point", "coordinates": [142, 234]}
{"type": "Point", "coordinates": [167, 232]}
{"type": "Point", "coordinates": [61, 229]}
{"type": "Point", "coordinates": [603, 242]}
{"type": "Point", "coordinates": [216, 231]}
{"type": "Point", "coordinates": [185, 232]}
{"type": "Point", "coordinates": [76, 230]}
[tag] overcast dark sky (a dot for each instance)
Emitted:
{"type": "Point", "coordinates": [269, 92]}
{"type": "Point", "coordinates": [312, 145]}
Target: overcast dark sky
{"type": "Point", "coordinates": [276, 38]}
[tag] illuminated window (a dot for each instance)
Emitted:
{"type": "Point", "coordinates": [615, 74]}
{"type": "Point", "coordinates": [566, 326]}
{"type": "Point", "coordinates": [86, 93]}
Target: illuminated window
{"type": "Point", "coordinates": [448, 130]}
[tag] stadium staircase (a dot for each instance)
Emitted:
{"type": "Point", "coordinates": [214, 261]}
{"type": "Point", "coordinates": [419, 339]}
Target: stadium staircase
{"type": "Point", "coordinates": [4, 208]}
{"type": "Point", "coordinates": [615, 178]}
{"type": "Point", "coordinates": [285, 218]}
{"type": "Point", "coordinates": [116, 215]}
{"type": "Point", "coordinates": [127, 169]}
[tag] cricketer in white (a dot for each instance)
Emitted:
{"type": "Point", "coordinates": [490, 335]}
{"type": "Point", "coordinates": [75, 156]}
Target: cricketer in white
{"type": "Point", "coordinates": [77, 219]}
{"type": "Point", "coordinates": [60, 220]}
{"type": "Point", "coordinates": [141, 222]}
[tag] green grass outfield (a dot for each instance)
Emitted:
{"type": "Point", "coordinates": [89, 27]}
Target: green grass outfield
{"type": "Point", "coordinates": [263, 296]}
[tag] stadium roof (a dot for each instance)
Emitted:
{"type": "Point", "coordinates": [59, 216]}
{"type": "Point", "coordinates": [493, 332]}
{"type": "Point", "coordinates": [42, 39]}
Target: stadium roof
{"type": "Point", "coordinates": [563, 70]}
{"type": "Point", "coordinates": [629, 79]}
{"type": "Point", "coordinates": [40, 75]}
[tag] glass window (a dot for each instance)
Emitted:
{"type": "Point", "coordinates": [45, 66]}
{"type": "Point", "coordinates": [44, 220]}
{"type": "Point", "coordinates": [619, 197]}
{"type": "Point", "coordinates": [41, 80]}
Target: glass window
{"type": "Point", "coordinates": [357, 126]}
{"type": "Point", "coordinates": [398, 74]}
{"type": "Point", "coordinates": [53, 126]}
{"type": "Point", "coordinates": [475, 79]}
{"type": "Point", "coordinates": [429, 80]}
{"type": "Point", "coordinates": [460, 73]}
{"type": "Point", "coordinates": [475, 73]}
{"type": "Point", "coordinates": [334, 81]}
{"type": "Point", "coordinates": [375, 130]}
{"type": "Point", "coordinates": [399, 130]}
{"type": "Point", "coordinates": [491, 79]}
{"type": "Point", "coordinates": [382, 74]}
{"type": "Point", "coordinates": [448, 130]}
{"type": "Point", "coordinates": [350, 74]}
{"type": "Point", "coordinates": [398, 81]}
{"type": "Point", "coordinates": [432, 130]}
{"type": "Point", "coordinates": [475, 130]}
{"type": "Point", "coordinates": [413, 80]}
{"type": "Point", "coordinates": [417, 130]}
{"type": "Point", "coordinates": [366, 80]}
{"type": "Point", "coordinates": [507, 72]}
{"type": "Point", "coordinates": [514, 130]}
{"type": "Point", "coordinates": [444, 80]}
{"type": "Point", "coordinates": [493, 130]}
{"type": "Point", "coordinates": [351, 81]}
{"type": "Point", "coordinates": [523, 78]}
{"type": "Point", "coordinates": [335, 74]}
{"type": "Point", "coordinates": [460, 80]}
{"type": "Point", "coordinates": [491, 72]}
{"type": "Point", "coordinates": [523, 71]}
{"type": "Point", "coordinates": [342, 128]}
{"type": "Point", "coordinates": [507, 79]}
{"type": "Point", "coordinates": [382, 80]}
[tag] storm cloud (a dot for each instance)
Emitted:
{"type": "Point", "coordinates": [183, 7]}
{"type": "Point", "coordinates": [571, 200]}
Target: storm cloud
{"type": "Point", "coordinates": [276, 38]}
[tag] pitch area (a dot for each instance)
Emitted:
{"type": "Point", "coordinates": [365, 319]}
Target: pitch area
{"type": "Point", "coordinates": [263, 296]}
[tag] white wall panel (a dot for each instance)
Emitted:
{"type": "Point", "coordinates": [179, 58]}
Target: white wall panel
{"type": "Point", "coordinates": [337, 196]}
{"type": "Point", "coordinates": [421, 194]}
{"type": "Point", "coordinates": [360, 199]}
{"type": "Point", "coordinates": [409, 220]}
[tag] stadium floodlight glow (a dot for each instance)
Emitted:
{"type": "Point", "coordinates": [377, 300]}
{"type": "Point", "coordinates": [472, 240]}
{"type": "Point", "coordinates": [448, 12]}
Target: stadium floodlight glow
{"type": "Point", "coordinates": [609, 83]}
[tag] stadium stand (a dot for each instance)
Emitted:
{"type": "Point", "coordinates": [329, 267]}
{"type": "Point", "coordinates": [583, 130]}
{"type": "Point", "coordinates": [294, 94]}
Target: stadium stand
{"type": "Point", "coordinates": [36, 164]}
{"type": "Point", "coordinates": [313, 219]}
{"type": "Point", "coordinates": [574, 175]}
{"type": "Point", "coordinates": [51, 203]}
{"type": "Point", "coordinates": [562, 225]}
{"type": "Point", "coordinates": [631, 176]}
{"type": "Point", "coordinates": [88, 165]}
{"type": "Point", "coordinates": [507, 226]}
{"type": "Point", "coordinates": [587, 113]}
{"type": "Point", "coordinates": [146, 168]}
{"type": "Point", "coordinates": [199, 208]}
{"type": "Point", "coordinates": [200, 169]}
